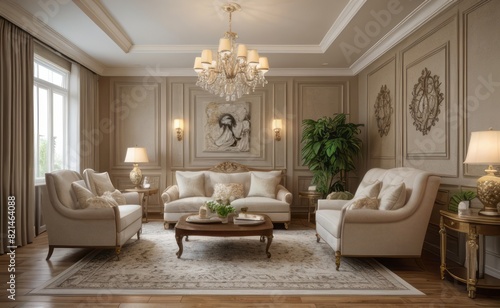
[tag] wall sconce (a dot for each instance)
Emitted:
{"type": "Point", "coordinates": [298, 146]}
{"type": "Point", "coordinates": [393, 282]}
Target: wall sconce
{"type": "Point", "coordinates": [277, 126]}
{"type": "Point", "coordinates": [178, 126]}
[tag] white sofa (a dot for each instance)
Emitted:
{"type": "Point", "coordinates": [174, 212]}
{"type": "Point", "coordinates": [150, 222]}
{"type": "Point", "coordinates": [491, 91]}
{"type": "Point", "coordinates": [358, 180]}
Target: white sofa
{"type": "Point", "coordinates": [259, 191]}
{"type": "Point", "coordinates": [402, 201]}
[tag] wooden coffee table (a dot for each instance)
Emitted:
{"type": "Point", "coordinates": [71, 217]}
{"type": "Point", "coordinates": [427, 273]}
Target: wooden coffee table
{"type": "Point", "coordinates": [184, 228]}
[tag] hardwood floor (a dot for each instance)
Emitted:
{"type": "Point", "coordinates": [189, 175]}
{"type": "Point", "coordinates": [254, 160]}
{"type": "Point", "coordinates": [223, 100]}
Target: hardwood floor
{"type": "Point", "coordinates": [32, 270]}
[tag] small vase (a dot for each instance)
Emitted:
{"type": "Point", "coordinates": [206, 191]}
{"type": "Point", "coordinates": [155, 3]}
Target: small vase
{"type": "Point", "coordinates": [224, 219]}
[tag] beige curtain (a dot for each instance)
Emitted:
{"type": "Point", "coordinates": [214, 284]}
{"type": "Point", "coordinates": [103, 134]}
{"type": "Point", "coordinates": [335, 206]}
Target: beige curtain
{"type": "Point", "coordinates": [16, 139]}
{"type": "Point", "coordinates": [90, 134]}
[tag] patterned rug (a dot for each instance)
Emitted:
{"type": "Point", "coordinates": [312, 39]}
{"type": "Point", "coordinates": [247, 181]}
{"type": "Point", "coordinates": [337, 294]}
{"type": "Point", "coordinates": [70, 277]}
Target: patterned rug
{"type": "Point", "coordinates": [225, 266]}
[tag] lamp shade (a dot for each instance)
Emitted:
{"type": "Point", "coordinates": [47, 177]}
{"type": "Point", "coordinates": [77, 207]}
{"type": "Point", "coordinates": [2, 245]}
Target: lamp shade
{"type": "Point", "coordinates": [136, 155]}
{"type": "Point", "coordinates": [277, 124]}
{"type": "Point", "coordinates": [484, 148]}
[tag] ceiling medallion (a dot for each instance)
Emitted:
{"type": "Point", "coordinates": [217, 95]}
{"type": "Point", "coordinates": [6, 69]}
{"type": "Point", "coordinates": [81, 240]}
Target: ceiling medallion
{"type": "Point", "coordinates": [383, 111]}
{"type": "Point", "coordinates": [233, 71]}
{"type": "Point", "coordinates": [427, 98]}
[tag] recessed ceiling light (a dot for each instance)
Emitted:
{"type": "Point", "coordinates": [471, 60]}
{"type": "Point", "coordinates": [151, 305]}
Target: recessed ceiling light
{"type": "Point", "coordinates": [324, 64]}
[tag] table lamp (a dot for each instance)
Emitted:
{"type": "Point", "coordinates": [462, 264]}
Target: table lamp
{"type": "Point", "coordinates": [484, 149]}
{"type": "Point", "coordinates": [136, 155]}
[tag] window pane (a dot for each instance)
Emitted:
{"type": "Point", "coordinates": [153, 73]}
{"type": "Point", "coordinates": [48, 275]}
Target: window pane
{"type": "Point", "coordinates": [42, 137]}
{"type": "Point", "coordinates": [58, 143]}
{"type": "Point", "coordinates": [46, 73]}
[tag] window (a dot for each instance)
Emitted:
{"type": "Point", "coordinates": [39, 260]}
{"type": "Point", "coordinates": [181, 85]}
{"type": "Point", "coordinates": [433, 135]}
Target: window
{"type": "Point", "coordinates": [50, 95]}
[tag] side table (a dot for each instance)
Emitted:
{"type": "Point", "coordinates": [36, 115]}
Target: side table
{"type": "Point", "coordinates": [473, 225]}
{"type": "Point", "coordinates": [144, 194]}
{"type": "Point", "coordinates": [312, 197]}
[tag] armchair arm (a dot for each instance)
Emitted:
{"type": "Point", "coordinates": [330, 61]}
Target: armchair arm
{"type": "Point", "coordinates": [283, 194]}
{"type": "Point", "coordinates": [131, 197]}
{"type": "Point", "coordinates": [327, 204]}
{"type": "Point", "coordinates": [87, 214]}
{"type": "Point", "coordinates": [375, 216]}
{"type": "Point", "coordinates": [170, 194]}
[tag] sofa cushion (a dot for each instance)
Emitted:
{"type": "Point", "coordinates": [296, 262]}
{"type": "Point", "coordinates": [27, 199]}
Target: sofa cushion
{"type": "Point", "coordinates": [190, 185]}
{"type": "Point", "coordinates": [98, 183]}
{"type": "Point", "coordinates": [242, 178]}
{"type": "Point", "coordinates": [82, 194]}
{"type": "Point", "coordinates": [263, 184]}
{"type": "Point", "coordinates": [229, 191]}
{"type": "Point", "coordinates": [261, 205]}
{"type": "Point", "coordinates": [186, 205]}
{"type": "Point", "coordinates": [368, 189]}
{"type": "Point", "coordinates": [128, 214]}
{"type": "Point", "coordinates": [103, 201]}
{"type": "Point", "coordinates": [392, 197]}
{"type": "Point", "coordinates": [117, 196]}
{"type": "Point", "coordinates": [371, 203]}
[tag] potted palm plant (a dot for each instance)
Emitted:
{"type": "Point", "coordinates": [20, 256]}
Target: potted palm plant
{"type": "Point", "coordinates": [330, 146]}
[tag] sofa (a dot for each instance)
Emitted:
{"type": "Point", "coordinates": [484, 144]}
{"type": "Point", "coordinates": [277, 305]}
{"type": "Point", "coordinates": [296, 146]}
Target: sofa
{"type": "Point", "coordinates": [259, 191]}
{"type": "Point", "coordinates": [387, 217]}
{"type": "Point", "coordinates": [76, 217]}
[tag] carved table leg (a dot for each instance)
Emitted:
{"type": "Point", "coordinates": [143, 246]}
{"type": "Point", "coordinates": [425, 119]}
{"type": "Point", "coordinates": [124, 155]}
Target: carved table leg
{"type": "Point", "coordinates": [442, 232]}
{"type": "Point", "coordinates": [471, 252]}
{"type": "Point", "coordinates": [269, 241]}
{"type": "Point", "coordinates": [178, 238]}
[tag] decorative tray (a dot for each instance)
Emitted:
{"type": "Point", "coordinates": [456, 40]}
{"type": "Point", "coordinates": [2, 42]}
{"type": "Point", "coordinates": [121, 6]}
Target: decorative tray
{"type": "Point", "coordinates": [248, 219]}
{"type": "Point", "coordinates": [197, 220]}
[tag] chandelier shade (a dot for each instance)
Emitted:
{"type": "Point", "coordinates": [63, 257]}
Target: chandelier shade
{"type": "Point", "coordinates": [233, 70]}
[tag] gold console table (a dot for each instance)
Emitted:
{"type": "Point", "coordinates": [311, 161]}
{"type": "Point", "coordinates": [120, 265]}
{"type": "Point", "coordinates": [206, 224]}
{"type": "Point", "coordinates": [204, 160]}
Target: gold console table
{"type": "Point", "coordinates": [473, 225]}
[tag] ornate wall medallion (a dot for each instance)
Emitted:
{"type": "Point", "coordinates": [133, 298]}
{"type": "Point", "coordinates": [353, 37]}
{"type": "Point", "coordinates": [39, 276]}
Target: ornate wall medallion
{"type": "Point", "coordinates": [383, 111]}
{"type": "Point", "coordinates": [426, 102]}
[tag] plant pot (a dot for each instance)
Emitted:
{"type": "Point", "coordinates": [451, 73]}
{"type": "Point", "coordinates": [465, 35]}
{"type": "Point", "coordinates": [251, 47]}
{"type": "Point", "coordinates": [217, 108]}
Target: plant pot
{"type": "Point", "coordinates": [224, 219]}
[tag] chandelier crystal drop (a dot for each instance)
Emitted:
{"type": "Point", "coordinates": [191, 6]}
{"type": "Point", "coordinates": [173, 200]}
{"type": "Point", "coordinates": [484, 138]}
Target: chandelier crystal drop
{"type": "Point", "coordinates": [234, 71]}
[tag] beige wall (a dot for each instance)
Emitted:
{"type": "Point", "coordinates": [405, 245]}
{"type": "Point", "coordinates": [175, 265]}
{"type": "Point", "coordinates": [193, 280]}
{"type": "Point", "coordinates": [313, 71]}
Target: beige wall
{"type": "Point", "coordinates": [461, 47]}
{"type": "Point", "coordinates": [141, 110]}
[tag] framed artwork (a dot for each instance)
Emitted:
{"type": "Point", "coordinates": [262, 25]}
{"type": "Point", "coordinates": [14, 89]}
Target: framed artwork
{"type": "Point", "coordinates": [227, 127]}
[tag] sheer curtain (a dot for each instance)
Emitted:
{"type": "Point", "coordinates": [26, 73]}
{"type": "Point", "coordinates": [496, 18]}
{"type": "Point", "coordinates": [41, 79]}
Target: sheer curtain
{"type": "Point", "coordinates": [16, 137]}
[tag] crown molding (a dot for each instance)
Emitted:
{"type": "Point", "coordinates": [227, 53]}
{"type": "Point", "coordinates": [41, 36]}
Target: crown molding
{"type": "Point", "coordinates": [188, 72]}
{"type": "Point", "coordinates": [340, 23]}
{"type": "Point", "coordinates": [26, 21]}
{"type": "Point", "coordinates": [195, 49]}
{"type": "Point", "coordinates": [95, 10]}
{"type": "Point", "coordinates": [425, 12]}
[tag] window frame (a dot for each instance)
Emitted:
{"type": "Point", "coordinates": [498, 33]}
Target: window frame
{"type": "Point", "coordinates": [52, 89]}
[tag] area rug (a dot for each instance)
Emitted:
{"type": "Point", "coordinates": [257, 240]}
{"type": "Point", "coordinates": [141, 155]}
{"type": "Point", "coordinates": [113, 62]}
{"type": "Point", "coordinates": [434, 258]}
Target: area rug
{"type": "Point", "coordinates": [225, 266]}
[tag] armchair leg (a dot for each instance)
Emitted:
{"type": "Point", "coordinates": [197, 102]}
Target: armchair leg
{"type": "Point", "coordinates": [337, 259]}
{"type": "Point", "coordinates": [139, 234]}
{"type": "Point", "coordinates": [49, 254]}
{"type": "Point", "coordinates": [318, 238]}
{"type": "Point", "coordinates": [117, 252]}
{"type": "Point", "coordinates": [286, 225]}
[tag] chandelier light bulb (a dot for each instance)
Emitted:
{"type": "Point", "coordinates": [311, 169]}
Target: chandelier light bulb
{"type": "Point", "coordinates": [233, 70]}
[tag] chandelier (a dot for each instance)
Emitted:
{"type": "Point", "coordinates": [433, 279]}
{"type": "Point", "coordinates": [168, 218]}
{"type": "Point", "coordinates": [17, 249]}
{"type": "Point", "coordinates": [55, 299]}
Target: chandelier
{"type": "Point", "coordinates": [234, 71]}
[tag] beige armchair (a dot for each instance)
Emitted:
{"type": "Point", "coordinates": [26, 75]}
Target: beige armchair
{"type": "Point", "coordinates": [382, 232]}
{"type": "Point", "coordinates": [71, 226]}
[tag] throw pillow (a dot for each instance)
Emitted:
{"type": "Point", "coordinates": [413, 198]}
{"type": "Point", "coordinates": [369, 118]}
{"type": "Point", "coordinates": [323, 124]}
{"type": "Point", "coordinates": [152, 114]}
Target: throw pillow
{"type": "Point", "coordinates": [367, 190]}
{"type": "Point", "coordinates": [340, 195]}
{"type": "Point", "coordinates": [82, 194]}
{"type": "Point", "coordinates": [117, 196]}
{"type": "Point", "coordinates": [263, 185]}
{"type": "Point", "coordinates": [370, 203]}
{"type": "Point", "coordinates": [100, 182]}
{"type": "Point", "coordinates": [190, 185]}
{"type": "Point", "coordinates": [229, 191]}
{"type": "Point", "coordinates": [99, 202]}
{"type": "Point", "coordinates": [392, 197]}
